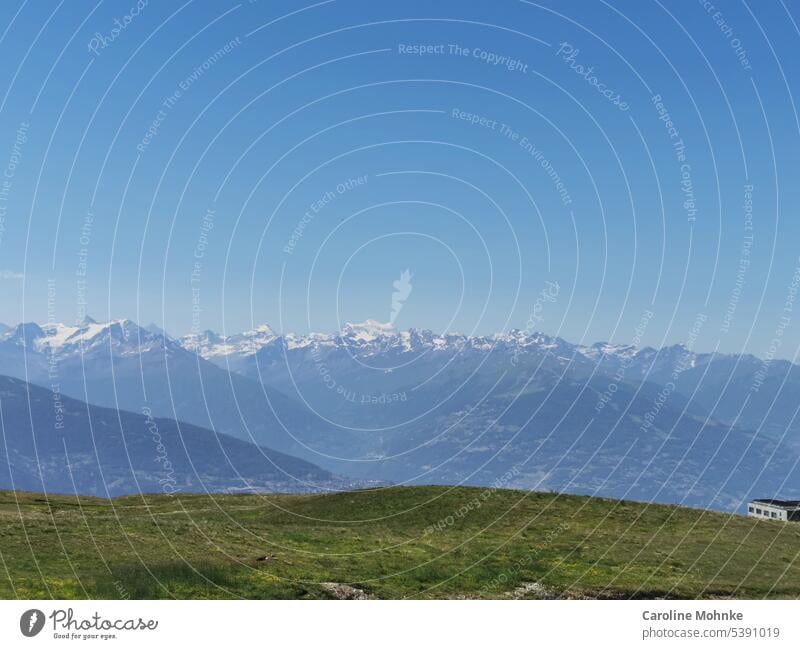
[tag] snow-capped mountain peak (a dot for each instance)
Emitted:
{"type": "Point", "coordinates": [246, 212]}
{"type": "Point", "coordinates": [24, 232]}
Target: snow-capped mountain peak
{"type": "Point", "coordinates": [367, 331]}
{"type": "Point", "coordinates": [210, 344]}
{"type": "Point", "coordinates": [123, 337]}
{"type": "Point", "coordinates": [24, 335]}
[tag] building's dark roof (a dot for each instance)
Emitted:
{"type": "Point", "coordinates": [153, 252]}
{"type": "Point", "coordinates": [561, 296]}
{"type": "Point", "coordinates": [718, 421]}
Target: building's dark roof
{"type": "Point", "coordinates": [787, 504]}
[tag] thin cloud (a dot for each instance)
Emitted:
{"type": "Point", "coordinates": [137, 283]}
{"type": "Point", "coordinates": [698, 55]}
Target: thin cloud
{"type": "Point", "coordinates": [10, 274]}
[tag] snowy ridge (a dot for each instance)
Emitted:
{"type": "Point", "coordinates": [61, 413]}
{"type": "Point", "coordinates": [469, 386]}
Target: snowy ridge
{"type": "Point", "coordinates": [121, 337]}
{"type": "Point", "coordinates": [373, 338]}
{"type": "Point", "coordinates": [370, 338]}
{"type": "Point", "coordinates": [210, 344]}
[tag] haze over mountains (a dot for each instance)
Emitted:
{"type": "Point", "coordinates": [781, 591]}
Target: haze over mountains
{"type": "Point", "coordinates": [52, 443]}
{"type": "Point", "coordinates": [519, 409]}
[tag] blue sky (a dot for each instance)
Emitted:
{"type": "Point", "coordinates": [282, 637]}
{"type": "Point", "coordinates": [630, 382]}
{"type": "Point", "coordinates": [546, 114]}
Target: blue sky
{"type": "Point", "coordinates": [200, 137]}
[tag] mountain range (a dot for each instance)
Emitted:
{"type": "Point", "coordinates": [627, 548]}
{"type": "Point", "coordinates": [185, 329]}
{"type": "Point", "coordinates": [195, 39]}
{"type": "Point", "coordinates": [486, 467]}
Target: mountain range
{"type": "Point", "coordinates": [517, 409]}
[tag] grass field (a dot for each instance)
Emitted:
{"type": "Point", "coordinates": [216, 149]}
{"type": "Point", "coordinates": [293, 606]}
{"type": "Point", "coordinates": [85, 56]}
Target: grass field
{"type": "Point", "coordinates": [414, 542]}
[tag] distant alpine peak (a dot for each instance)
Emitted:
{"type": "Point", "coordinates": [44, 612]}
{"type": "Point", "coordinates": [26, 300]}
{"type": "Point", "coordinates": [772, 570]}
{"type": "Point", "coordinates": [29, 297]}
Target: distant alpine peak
{"type": "Point", "coordinates": [210, 344]}
{"type": "Point", "coordinates": [24, 334]}
{"type": "Point", "coordinates": [522, 335]}
{"type": "Point", "coordinates": [368, 330]}
{"type": "Point", "coordinates": [608, 349]}
{"type": "Point", "coordinates": [259, 330]}
{"type": "Point", "coordinates": [63, 340]}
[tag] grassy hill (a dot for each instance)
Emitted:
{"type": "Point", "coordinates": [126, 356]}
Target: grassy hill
{"type": "Point", "coordinates": [417, 542]}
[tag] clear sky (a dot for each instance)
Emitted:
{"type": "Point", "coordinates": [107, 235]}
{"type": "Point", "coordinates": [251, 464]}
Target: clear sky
{"type": "Point", "coordinates": [223, 164]}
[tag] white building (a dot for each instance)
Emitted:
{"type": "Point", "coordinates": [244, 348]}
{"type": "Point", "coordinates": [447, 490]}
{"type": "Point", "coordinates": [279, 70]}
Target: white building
{"type": "Point", "coordinates": [775, 510]}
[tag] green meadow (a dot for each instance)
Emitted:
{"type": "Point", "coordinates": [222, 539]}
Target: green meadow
{"type": "Point", "coordinates": [410, 542]}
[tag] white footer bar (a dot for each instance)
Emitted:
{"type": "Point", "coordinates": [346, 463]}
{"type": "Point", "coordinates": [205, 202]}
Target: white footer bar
{"type": "Point", "coordinates": [407, 624]}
